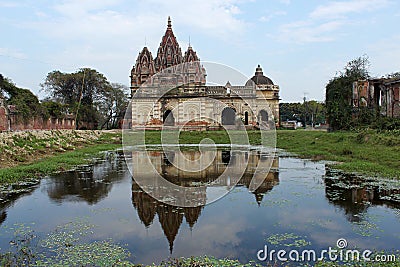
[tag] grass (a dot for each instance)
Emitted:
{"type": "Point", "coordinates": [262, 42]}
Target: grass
{"type": "Point", "coordinates": [60, 161]}
{"type": "Point", "coordinates": [365, 152]}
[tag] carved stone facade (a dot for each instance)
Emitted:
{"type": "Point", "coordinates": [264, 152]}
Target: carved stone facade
{"type": "Point", "coordinates": [171, 90]}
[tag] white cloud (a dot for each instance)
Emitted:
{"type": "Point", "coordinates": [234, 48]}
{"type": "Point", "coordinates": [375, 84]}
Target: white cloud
{"type": "Point", "coordinates": [99, 21]}
{"type": "Point", "coordinates": [342, 8]}
{"type": "Point", "coordinates": [269, 17]}
{"type": "Point", "coordinates": [308, 32]}
{"type": "Point", "coordinates": [216, 18]}
{"type": "Point", "coordinates": [325, 21]}
{"type": "Point", "coordinates": [108, 35]}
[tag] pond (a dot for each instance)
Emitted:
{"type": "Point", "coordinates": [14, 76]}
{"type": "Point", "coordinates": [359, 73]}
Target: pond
{"type": "Point", "coordinates": [299, 204]}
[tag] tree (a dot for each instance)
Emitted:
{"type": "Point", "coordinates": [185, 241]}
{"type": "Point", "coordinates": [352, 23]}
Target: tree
{"type": "Point", "coordinates": [26, 102]}
{"type": "Point", "coordinates": [88, 94]}
{"type": "Point", "coordinates": [54, 109]}
{"type": "Point", "coordinates": [291, 111]}
{"type": "Point", "coordinates": [315, 112]}
{"type": "Point", "coordinates": [113, 105]}
{"type": "Point", "coordinates": [81, 92]}
{"type": "Point", "coordinates": [310, 112]}
{"type": "Point", "coordinates": [339, 91]}
{"type": "Point", "coordinates": [393, 75]}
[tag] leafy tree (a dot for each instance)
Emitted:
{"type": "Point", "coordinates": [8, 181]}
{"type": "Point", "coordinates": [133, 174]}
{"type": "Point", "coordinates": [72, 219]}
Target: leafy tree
{"type": "Point", "coordinates": [339, 92]}
{"type": "Point", "coordinates": [113, 105]}
{"type": "Point", "coordinates": [81, 92]}
{"type": "Point", "coordinates": [310, 112]}
{"type": "Point", "coordinates": [88, 94]}
{"type": "Point", "coordinates": [54, 109]}
{"type": "Point", "coordinates": [291, 111]}
{"type": "Point", "coordinates": [392, 75]}
{"type": "Point", "coordinates": [26, 102]}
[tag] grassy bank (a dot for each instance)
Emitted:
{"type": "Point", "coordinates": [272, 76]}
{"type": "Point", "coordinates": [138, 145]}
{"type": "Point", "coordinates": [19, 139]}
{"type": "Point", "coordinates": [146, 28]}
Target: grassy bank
{"type": "Point", "coordinates": [366, 152]}
{"type": "Point", "coordinates": [49, 158]}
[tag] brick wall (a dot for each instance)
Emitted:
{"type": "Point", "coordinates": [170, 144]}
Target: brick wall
{"type": "Point", "coordinates": [3, 119]}
{"type": "Point", "coordinates": [41, 124]}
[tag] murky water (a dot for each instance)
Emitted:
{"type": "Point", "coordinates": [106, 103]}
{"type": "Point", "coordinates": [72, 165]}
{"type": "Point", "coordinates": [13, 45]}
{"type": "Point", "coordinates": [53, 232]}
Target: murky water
{"type": "Point", "coordinates": [300, 204]}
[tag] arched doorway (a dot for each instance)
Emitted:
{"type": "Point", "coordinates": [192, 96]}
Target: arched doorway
{"type": "Point", "coordinates": [228, 116]}
{"type": "Point", "coordinates": [168, 118]}
{"type": "Point", "coordinates": [226, 156]}
{"type": "Point", "coordinates": [263, 117]}
{"type": "Point", "coordinates": [246, 118]}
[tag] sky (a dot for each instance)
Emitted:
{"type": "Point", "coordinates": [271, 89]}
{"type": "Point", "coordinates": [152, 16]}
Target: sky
{"type": "Point", "coordinates": [299, 44]}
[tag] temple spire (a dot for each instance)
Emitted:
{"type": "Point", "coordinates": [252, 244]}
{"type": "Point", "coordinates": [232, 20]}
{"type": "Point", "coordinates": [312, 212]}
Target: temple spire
{"type": "Point", "coordinates": [169, 22]}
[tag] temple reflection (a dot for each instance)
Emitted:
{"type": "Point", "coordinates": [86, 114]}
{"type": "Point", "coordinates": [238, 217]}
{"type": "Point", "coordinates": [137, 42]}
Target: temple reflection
{"type": "Point", "coordinates": [171, 217]}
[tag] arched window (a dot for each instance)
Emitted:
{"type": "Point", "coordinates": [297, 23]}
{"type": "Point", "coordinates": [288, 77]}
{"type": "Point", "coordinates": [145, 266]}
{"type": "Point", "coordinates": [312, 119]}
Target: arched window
{"type": "Point", "coordinates": [228, 116]}
{"type": "Point", "coordinates": [263, 117]}
{"type": "Point", "coordinates": [246, 118]}
{"type": "Point", "coordinates": [168, 118]}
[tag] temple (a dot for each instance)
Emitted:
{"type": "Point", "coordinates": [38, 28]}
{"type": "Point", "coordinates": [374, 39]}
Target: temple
{"type": "Point", "coordinates": [171, 90]}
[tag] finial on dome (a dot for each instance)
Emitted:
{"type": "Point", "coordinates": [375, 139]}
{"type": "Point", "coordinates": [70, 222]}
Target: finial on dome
{"type": "Point", "coordinates": [259, 70]}
{"type": "Point", "coordinates": [169, 22]}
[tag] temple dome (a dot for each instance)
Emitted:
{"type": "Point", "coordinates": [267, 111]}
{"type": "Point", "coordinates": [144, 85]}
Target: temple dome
{"type": "Point", "coordinates": [259, 78]}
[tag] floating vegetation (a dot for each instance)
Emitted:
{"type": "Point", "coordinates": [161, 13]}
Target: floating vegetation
{"type": "Point", "coordinates": [98, 253]}
{"type": "Point", "coordinates": [278, 203]}
{"type": "Point", "coordinates": [205, 261]}
{"type": "Point", "coordinates": [63, 247]}
{"type": "Point", "coordinates": [288, 240]}
{"type": "Point", "coordinates": [68, 234]}
{"type": "Point", "coordinates": [320, 222]}
{"type": "Point", "coordinates": [365, 228]}
{"type": "Point", "coordinates": [101, 210]}
{"type": "Point", "coordinates": [301, 194]}
{"type": "Point", "coordinates": [369, 188]}
{"type": "Point", "coordinates": [22, 250]}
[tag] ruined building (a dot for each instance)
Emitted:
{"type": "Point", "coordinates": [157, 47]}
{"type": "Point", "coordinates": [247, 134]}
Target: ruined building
{"type": "Point", "coordinates": [381, 95]}
{"type": "Point", "coordinates": [254, 103]}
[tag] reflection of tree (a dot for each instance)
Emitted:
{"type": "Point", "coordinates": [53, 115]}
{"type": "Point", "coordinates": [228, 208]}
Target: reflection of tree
{"type": "Point", "coordinates": [355, 194]}
{"type": "Point", "coordinates": [13, 193]}
{"type": "Point", "coordinates": [3, 216]}
{"type": "Point", "coordinates": [90, 184]}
